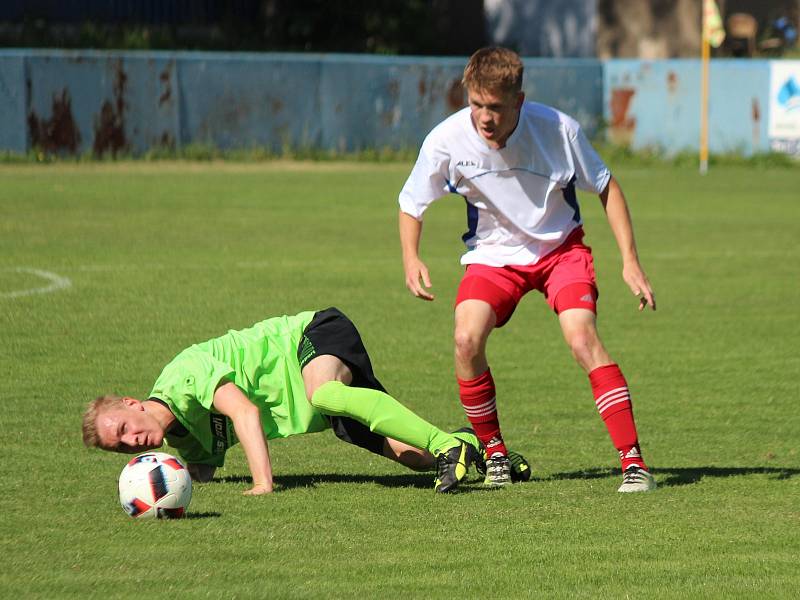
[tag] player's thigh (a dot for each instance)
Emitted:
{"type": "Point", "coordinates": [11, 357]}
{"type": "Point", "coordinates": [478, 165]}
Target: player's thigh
{"type": "Point", "coordinates": [321, 370]}
{"type": "Point", "coordinates": [476, 318]}
{"type": "Point", "coordinates": [578, 322]}
{"type": "Point", "coordinates": [571, 281]}
{"type": "Point", "coordinates": [498, 287]}
{"type": "Point", "coordinates": [333, 344]}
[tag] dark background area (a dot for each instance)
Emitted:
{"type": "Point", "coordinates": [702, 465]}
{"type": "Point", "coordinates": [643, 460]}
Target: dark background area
{"type": "Point", "coordinates": [647, 29]}
{"type": "Point", "coordinates": [430, 27]}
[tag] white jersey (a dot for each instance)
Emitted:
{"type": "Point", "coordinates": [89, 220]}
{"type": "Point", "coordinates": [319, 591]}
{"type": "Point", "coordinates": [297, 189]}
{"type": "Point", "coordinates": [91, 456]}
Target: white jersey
{"type": "Point", "coordinates": [521, 201]}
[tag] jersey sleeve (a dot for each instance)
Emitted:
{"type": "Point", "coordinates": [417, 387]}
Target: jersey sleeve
{"type": "Point", "coordinates": [188, 384]}
{"type": "Point", "coordinates": [591, 173]}
{"type": "Point", "coordinates": [428, 180]}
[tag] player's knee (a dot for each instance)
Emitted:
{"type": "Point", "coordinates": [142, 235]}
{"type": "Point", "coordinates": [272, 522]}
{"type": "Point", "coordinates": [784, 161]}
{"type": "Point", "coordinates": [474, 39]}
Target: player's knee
{"type": "Point", "coordinates": [324, 369]}
{"type": "Point", "coordinates": [587, 349]}
{"type": "Point", "coordinates": [580, 343]}
{"type": "Point", "coordinates": [327, 395]}
{"type": "Point", "coordinates": [468, 344]}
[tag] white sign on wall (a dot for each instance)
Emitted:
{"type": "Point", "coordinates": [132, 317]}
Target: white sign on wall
{"type": "Point", "coordinates": [784, 106]}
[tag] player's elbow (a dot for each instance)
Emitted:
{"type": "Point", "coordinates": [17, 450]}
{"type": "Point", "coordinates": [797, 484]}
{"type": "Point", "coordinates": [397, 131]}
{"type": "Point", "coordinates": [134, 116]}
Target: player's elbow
{"type": "Point", "coordinates": [246, 417]}
{"type": "Point", "coordinates": [247, 411]}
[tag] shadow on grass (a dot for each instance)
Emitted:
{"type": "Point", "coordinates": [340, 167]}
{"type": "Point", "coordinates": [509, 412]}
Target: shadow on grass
{"type": "Point", "coordinates": [415, 480]}
{"type": "Point", "coordinates": [666, 476]}
{"type": "Point", "coordinates": [202, 515]}
{"type": "Point", "coordinates": [683, 475]}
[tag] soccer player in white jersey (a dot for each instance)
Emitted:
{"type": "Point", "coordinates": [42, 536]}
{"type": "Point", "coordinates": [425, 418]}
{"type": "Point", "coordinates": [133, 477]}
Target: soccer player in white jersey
{"type": "Point", "coordinates": [517, 164]}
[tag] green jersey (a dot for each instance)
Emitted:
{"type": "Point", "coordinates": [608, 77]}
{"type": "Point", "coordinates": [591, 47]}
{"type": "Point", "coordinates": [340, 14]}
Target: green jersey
{"type": "Point", "coordinates": [262, 362]}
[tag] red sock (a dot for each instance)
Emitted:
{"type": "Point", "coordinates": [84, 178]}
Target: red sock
{"type": "Point", "coordinates": [613, 402]}
{"type": "Point", "coordinates": [478, 399]}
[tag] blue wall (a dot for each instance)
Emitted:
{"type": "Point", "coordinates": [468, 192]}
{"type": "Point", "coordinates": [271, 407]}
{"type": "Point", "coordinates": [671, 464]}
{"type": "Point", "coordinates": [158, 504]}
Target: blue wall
{"type": "Point", "coordinates": [13, 135]}
{"type": "Point", "coordinates": [657, 104]}
{"type": "Point", "coordinates": [79, 101]}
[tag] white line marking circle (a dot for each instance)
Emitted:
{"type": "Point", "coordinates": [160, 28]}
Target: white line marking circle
{"type": "Point", "coordinates": [56, 282]}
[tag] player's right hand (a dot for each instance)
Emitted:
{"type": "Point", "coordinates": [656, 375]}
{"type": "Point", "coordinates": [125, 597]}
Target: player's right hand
{"type": "Point", "coordinates": [640, 286]}
{"type": "Point", "coordinates": [416, 277]}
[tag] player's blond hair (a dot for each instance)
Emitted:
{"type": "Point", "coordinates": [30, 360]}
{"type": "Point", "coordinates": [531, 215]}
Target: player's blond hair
{"type": "Point", "coordinates": [93, 410]}
{"type": "Point", "coordinates": [494, 69]}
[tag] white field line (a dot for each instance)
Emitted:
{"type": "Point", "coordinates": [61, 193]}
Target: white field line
{"type": "Point", "coordinates": [183, 267]}
{"type": "Point", "coordinates": [213, 266]}
{"type": "Point", "coordinates": [56, 282]}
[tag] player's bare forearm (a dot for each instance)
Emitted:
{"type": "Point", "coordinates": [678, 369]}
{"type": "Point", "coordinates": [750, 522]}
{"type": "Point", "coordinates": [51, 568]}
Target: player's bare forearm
{"type": "Point", "coordinates": [231, 401]}
{"type": "Point", "coordinates": [619, 218]}
{"type": "Point", "coordinates": [410, 234]}
{"type": "Point", "coordinates": [416, 273]}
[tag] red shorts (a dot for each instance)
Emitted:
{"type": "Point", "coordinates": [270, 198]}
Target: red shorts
{"type": "Point", "coordinates": [565, 276]}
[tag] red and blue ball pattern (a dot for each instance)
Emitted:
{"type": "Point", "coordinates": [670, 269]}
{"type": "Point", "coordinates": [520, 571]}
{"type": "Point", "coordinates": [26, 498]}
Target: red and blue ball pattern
{"type": "Point", "coordinates": [155, 485]}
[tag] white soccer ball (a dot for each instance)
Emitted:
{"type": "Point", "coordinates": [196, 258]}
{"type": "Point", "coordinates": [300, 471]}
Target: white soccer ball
{"type": "Point", "coordinates": [155, 484]}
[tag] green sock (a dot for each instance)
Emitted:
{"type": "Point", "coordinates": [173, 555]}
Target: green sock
{"type": "Point", "coordinates": [468, 438]}
{"type": "Point", "coordinates": [382, 414]}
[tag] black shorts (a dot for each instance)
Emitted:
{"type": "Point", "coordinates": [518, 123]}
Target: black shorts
{"type": "Point", "coordinates": [331, 332]}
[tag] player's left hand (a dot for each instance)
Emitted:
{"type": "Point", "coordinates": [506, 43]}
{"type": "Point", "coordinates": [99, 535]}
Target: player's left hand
{"type": "Point", "coordinates": [259, 490]}
{"type": "Point", "coordinates": [640, 286]}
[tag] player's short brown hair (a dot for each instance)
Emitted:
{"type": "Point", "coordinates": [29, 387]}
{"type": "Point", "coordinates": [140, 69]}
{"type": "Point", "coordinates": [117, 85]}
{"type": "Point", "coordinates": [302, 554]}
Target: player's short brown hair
{"type": "Point", "coordinates": [494, 69]}
{"type": "Point", "coordinates": [93, 410]}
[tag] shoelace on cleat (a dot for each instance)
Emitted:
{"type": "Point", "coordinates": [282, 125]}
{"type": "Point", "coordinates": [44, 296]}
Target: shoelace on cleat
{"type": "Point", "coordinates": [496, 468]}
{"type": "Point", "coordinates": [633, 475]}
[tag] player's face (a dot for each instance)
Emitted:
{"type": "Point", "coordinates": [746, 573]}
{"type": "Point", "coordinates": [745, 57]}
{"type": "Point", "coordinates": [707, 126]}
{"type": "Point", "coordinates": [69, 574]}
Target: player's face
{"type": "Point", "coordinates": [129, 428]}
{"type": "Point", "coordinates": [494, 114]}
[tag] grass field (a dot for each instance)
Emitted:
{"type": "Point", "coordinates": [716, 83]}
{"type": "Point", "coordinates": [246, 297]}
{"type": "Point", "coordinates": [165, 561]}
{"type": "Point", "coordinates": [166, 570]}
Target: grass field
{"type": "Point", "coordinates": [147, 259]}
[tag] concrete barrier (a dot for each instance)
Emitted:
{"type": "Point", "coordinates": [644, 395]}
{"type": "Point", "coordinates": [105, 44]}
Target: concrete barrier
{"type": "Point", "coordinates": [80, 101]}
{"type": "Point", "coordinates": [657, 104]}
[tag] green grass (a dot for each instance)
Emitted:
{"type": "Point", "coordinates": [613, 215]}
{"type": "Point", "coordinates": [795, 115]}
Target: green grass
{"type": "Point", "coordinates": [163, 255]}
{"type": "Point", "coordinates": [200, 152]}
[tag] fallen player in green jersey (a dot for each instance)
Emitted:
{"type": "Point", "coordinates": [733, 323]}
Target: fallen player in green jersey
{"type": "Point", "coordinates": [283, 376]}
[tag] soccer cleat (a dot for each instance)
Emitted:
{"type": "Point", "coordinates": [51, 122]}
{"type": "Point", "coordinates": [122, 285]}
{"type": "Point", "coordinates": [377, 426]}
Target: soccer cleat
{"type": "Point", "coordinates": [475, 453]}
{"type": "Point", "coordinates": [636, 479]}
{"type": "Point", "coordinates": [498, 471]}
{"type": "Point", "coordinates": [451, 468]}
{"type": "Point", "coordinates": [520, 468]}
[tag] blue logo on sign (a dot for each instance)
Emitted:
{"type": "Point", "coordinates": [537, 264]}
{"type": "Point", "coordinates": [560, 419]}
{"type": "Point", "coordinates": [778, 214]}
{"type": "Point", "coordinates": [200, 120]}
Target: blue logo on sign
{"type": "Point", "coordinates": [789, 94]}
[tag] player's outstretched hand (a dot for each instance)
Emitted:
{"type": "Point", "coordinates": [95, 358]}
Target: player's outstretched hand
{"type": "Point", "coordinates": [258, 490]}
{"type": "Point", "coordinates": [640, 286]}
{"type": "Point", "coordinates": [417, 276]}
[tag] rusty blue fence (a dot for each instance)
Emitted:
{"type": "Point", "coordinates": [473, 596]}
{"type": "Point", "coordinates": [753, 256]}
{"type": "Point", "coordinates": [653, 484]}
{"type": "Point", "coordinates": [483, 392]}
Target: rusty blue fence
{"type": "Point", "coordinates": [656, 104]}
{"type": "Point", "coordinates": [129, 102]}
{"type": "Point", "coordinates": [80, 101]}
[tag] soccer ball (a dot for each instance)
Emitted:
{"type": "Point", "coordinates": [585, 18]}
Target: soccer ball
{"type": "Point", "coordinates": [155, 484]}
